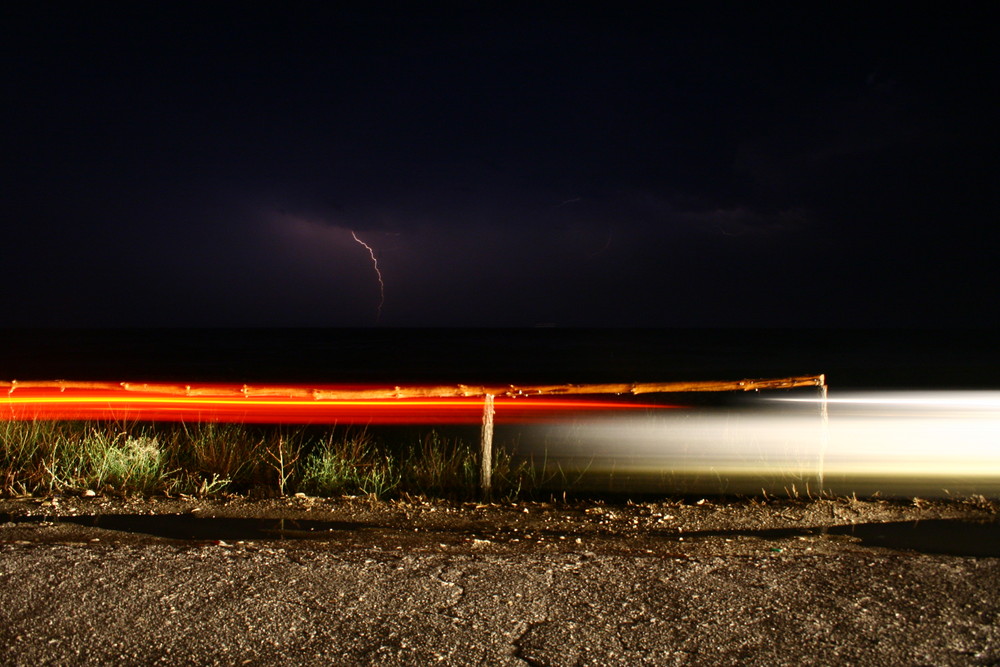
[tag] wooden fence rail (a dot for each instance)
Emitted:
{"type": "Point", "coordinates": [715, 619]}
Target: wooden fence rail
{"type": "Point", "coordinates": [321, 393]}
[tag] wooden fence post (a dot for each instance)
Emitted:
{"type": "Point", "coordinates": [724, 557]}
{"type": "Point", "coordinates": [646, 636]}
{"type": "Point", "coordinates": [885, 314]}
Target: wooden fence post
{"type": "Point", "coordinates": [486, 449]}
{"type": "Point", "coordinates": [824, 437]}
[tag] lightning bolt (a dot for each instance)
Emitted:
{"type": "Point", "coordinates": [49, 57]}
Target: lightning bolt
{"type": "Point", "coordinates": [378, 274]}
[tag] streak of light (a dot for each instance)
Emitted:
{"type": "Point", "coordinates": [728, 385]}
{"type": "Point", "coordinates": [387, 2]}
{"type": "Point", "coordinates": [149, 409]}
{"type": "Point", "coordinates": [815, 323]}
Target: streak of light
{"type": "Point", "coordinates": [902, 442]}
{"type": "Point", "coordinates": [976, 400]}
{"type": "Point", "coordinates": [56, 404]}
{"type": "Point", "coordinates": [378, 274]}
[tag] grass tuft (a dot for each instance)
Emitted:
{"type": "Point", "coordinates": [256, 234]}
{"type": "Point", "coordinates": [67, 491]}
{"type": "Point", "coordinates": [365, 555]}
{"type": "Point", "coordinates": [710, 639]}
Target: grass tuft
{"type": "Point", "coordinates": [123, 461]}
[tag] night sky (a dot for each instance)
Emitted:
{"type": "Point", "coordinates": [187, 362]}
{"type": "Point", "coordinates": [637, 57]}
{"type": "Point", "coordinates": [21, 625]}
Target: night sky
{"type": "Point", "coordinates": [696, 164]}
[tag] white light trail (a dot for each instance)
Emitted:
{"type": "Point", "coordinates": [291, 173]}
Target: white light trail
{"type": "Point", "coordinates": [907, 443]}
{"type": "Point", "coordinates": [378, 274]}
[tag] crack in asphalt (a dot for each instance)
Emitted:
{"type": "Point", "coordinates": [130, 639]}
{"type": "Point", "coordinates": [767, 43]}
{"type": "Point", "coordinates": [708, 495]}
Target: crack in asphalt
{"type": "Point", "coordinates": [439, 576]}
{"type": "Point", "coordinates": [519, 648]}
{"type": "Point", "coordinates": [517, 642]}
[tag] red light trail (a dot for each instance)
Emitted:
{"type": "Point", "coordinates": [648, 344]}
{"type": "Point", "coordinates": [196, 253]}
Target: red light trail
{"type": "Point", "coordinates": [276, 405]}
{"type": "Point", "coordinates": [333, 404]}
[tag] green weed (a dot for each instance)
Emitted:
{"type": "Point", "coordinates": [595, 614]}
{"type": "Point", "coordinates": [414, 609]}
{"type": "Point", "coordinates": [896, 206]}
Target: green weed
{"type": "Point", "coordinates": [332, 468]}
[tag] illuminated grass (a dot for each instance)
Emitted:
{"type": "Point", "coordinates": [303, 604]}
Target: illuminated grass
{"type": "Point", "coordinates": [46, 457]}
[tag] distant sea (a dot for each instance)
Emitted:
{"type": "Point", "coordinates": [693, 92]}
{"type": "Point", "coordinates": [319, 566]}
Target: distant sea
{"type": "Point", "coordinates": [852, 358]}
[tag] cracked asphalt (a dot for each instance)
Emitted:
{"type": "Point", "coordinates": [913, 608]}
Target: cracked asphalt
{"type": "Point", "coordinates": [355, 582]}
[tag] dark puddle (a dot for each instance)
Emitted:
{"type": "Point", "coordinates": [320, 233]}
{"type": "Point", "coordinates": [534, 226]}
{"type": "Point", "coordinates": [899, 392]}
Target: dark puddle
{"type": "Point", "coordinates": [950, 537]}
{"type": "Point", "coordinates": [188, 527]}
{"type": "Point", "coordinates": [933, 536]}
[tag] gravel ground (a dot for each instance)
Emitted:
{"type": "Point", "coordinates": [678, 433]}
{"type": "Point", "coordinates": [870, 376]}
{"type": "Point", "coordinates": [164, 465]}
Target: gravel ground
{"type": "Point", "coordinates": [351, 581]}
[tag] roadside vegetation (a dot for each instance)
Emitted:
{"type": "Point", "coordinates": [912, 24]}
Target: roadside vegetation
{"type": "Point", "coordinates": [40, 458]}
{"type": "Point", "coordinates": [53, 457]}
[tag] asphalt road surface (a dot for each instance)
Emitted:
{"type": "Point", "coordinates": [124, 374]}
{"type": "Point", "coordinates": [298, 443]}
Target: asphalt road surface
{"type": "Point", "coordinates": [308, 581]}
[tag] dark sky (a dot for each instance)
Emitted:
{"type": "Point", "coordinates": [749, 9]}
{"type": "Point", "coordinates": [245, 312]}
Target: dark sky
{"type": "Point", "coordinates": [697, 164]}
